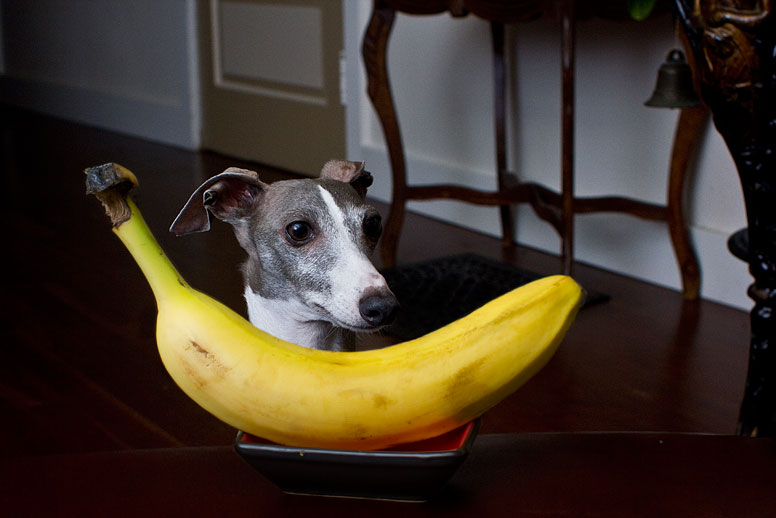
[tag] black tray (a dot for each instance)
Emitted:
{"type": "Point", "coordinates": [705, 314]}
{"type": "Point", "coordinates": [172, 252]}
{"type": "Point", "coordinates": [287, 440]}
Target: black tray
{"type": "Point", "coordinates": [409, 472]}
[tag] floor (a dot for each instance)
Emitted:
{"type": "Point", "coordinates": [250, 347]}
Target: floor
{"type": "Point", "coordinates": [80, 371]}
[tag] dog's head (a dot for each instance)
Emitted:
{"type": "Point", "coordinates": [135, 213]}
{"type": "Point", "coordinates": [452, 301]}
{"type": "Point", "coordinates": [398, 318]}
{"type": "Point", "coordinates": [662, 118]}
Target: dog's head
{"type": "Point", "coordinates": [307, 240]}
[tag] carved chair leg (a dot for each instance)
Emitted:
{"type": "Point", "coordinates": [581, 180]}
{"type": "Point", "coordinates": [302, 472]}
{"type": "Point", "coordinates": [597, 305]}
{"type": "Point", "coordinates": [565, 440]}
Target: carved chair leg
{"type": "Point", "coordinates": [757, 168]}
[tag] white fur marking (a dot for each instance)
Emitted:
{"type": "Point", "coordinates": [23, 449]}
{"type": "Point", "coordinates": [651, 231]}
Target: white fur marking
{"type": "Point", "coordinates": [288, 320]}
{"type": "Point", "coordinates": [353, 272]}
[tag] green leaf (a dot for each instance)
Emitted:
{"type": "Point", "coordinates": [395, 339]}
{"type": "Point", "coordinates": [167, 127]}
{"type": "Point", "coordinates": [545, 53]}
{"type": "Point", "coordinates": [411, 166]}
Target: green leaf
{"type": "Point", "coordinates": [640, 9]}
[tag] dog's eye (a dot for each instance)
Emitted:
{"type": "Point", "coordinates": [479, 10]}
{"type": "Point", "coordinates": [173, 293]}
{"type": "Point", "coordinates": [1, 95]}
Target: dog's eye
{"type": "Point", "coordinates": [373, 227]}
{"type": "Point", "coordinates": [299, 232]}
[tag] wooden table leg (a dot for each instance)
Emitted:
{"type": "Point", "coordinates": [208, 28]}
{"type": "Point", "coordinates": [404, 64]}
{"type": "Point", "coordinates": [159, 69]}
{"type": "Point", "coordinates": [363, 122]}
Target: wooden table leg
{"type": "Point", "coordinates": [567, 145]}
{"type": "Point", "coordinates": [499, 116]}
{"type": "Point", "coordinates": [688, 131]}
{"type": "Point", "coordinates": [374, 52]}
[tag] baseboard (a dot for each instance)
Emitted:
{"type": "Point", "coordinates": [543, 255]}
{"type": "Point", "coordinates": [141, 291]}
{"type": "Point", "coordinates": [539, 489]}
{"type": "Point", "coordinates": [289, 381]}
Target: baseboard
{"type": "Point", "coordinates": [168, 121]}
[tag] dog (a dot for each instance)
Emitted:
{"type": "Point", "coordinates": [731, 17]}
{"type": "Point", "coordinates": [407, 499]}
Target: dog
{"type": "Point", "coordinates": [308, 276]}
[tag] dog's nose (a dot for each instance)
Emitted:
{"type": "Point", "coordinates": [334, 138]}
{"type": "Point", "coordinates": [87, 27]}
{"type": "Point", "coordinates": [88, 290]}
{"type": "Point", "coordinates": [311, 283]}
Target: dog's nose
{"type": "Point", "coordinates": [379, 309]}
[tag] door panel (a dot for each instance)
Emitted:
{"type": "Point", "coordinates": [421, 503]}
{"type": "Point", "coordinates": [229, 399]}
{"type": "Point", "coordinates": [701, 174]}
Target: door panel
{"type": "Point", "coordinates": [270, 81]}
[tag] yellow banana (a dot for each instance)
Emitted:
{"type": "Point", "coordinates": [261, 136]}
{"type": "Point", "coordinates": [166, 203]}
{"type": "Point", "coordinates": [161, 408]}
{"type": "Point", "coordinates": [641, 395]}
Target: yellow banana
{"type": "Point", "coordinates": [348, 400]}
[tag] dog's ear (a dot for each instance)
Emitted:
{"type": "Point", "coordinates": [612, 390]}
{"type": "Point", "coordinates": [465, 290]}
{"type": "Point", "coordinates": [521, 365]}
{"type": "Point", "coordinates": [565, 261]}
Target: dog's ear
{"type": "Point", "coordinates": [229, 196]}
{"type": "Point", "coordinates": [348, 172]}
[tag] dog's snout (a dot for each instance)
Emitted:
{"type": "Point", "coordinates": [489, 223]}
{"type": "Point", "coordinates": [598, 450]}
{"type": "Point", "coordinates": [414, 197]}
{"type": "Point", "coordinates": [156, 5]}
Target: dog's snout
{"type": "Point", "coordinates": [378, 309]}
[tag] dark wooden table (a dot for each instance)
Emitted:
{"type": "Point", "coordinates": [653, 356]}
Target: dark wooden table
{"type": "Point", "coordinates": [565, 474]}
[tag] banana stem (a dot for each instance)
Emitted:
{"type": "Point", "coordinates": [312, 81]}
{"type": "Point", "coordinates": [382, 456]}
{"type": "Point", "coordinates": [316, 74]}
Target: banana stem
{"type": "Point", "coordinates": [161, 274]}
{"type": "Point", "coordinates": [111, 184]}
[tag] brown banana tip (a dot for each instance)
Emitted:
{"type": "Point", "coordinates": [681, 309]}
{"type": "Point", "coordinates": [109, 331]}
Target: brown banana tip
{"type": "Point", "coordinates": [111, 184]}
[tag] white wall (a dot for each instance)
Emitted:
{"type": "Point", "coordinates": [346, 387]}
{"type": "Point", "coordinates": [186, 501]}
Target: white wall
{"type": "Point", "coordinates": [124, 66]}
{"type": "Point", "coordinates": [441, 76]}
{"type": "Point", "coordinates": [131, 67]}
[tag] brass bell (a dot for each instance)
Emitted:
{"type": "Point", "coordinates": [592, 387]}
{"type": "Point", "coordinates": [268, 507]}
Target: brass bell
{"type": "Point", "coordinates": [674, 88]}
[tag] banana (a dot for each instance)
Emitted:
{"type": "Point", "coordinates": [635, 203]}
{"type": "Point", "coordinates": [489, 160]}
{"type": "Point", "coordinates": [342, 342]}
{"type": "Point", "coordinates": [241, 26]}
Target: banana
{"type": "Point", "coordinates": [362, 400]}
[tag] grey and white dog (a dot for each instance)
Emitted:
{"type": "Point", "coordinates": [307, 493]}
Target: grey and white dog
{"type": "Point", "coordinates": [308, 277]}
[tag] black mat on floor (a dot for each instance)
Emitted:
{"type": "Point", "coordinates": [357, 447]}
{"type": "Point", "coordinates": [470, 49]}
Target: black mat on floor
{"type": "Point", "coordinates": [436, 292]}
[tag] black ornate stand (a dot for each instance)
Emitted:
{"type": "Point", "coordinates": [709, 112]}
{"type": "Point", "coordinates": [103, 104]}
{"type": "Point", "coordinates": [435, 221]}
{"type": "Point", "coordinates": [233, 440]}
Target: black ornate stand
{"type": "Point", "coordinates": [734, 49]}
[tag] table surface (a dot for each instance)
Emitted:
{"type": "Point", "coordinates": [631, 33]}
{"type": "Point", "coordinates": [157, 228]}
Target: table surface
{"type": "Point", "coordinates": [547, 474]}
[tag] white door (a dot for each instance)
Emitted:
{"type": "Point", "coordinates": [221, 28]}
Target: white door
{"type": "Point", "coordinates": [271, 81]}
